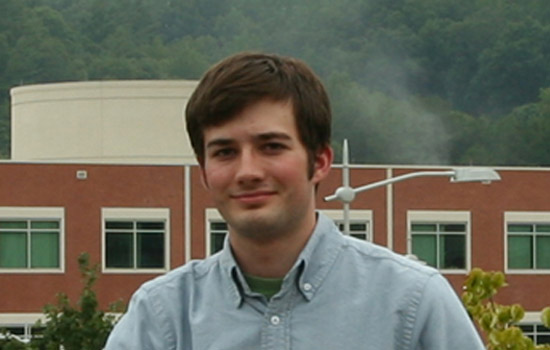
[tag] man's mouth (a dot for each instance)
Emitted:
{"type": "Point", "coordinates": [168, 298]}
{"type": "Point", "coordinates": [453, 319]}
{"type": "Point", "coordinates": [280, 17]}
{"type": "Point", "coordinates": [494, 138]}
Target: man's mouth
{"type": "Point", "coordinates": [253, 197]}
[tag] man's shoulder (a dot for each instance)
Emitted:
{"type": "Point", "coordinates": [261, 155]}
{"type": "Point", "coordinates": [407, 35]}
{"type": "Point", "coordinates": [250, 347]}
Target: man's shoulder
{"type": "Point", "coordinates": [381, 258]}
{"type": "Point", "coordinates": [183, 277]}
{"type": "Point", "coordinates": [368, 258]}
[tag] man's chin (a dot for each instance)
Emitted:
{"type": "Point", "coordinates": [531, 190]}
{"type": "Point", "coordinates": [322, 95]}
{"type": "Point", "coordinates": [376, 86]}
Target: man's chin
{"type": "Point", "coordinates": [255, 225]}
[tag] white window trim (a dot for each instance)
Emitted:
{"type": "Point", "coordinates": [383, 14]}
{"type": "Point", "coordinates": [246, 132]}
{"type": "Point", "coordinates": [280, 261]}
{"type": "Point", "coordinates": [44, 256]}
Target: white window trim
{"type": "Point", "coordinates": [354, 216]}
{"type": "Point", "coordinates": [136, 214]}
{"type": "Point", "coordinates": [524, 217]}
{"type": "Point", "coordinates": [20, 318]}
{"type": "Point", "coordinates": [24, 320]}
{"type": "Point", "coordinates": [38, 213]}
{"type": "Point", "coordinates": [531, 318]}
{"type": "Point", "coordinates": [212, 214]}
{"type": "Point", "coordinates": [443, 216]}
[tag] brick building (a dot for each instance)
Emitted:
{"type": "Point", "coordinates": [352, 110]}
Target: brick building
{"type": "Point", "coordinates": [141, 213]}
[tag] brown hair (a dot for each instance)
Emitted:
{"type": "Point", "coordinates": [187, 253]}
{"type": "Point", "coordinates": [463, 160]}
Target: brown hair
{"type": "Point", "coordinates": [245, 78]}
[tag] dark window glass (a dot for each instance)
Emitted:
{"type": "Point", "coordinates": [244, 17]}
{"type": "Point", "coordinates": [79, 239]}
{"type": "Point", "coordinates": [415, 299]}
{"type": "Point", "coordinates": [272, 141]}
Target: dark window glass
{"type": "Point", "coordinates": [119, 225]}
{"type": "Point", "coordinates": [453, 228]}
{"type": "Point", "coordinates": [520, 228]}
{"type": "Point", "coordinates": [424, 227]}
{"type": "Point", "coordinates": [119, 250]}
{"type": "Point", "coordinates": [453, 251]}
{"type": "Point", "coordinates": [520, 252]}
{"type": "Point", "coordinates": [150, 250]}
{"type": "Point", "coordinates": [150, 225]}
{"type": "Point", "coordinates": [216, 241]}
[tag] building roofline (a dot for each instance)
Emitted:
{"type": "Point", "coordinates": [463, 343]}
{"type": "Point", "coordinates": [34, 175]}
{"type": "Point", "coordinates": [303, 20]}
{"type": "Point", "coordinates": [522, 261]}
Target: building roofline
{"type": "Point", "coordinates": [447, 166]}
{"type": "Point", "coordinates": [179, 161]}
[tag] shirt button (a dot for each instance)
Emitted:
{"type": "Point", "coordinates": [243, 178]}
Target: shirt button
{"type": "Point", "coordinates": [307, 287]}
{"type": "Point", "coordinates": [275, 320]}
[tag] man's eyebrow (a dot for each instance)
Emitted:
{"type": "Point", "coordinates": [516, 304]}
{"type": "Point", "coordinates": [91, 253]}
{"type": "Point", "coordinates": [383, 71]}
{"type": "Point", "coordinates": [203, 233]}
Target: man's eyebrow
{"type": "Point", "coordinates": [273, 135]}
{"type": "Point", "coordinates": [219, 142]}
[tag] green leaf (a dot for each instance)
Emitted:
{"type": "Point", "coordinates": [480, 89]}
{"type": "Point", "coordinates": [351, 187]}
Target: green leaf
{"type": "Point", "coordinates": [498, 280]}
{"type": "Point", "coordinates": [545, 317]}
{"type": "Point", "coordinates": [517, 313]}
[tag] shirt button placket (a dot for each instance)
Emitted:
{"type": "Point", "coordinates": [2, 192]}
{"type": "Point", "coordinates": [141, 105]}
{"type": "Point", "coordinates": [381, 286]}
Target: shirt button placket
{"type": "Point", "coordinates": [275, 320]}
{"type": "Point", "coordinates": [275, 333]}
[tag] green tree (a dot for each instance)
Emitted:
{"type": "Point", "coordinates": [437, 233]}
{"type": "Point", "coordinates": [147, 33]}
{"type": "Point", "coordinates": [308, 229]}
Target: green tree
{"type": "Point", "coordinates": [46, 50]}
{"type": "Point", "coordinates": [4, 129]}
{"type": "Point", "coordinates": [382, 129]}
{"type": "Point", "coordinates": [189, 57]}
{"type": "Point", "coordinates": [513, 69]}
{"type": "Point", "coordinates": [12, 14]}
{"type": "Point", "coordinates": [8, 342]}
{"type": "Point", "coordinates": [77, 327]}
{"type": "Point", "coordinates": [525, 133]}
{"type": "Point", "coordinates": [498, 322]}
{"type": "Point", "coordinates": [483, 58]}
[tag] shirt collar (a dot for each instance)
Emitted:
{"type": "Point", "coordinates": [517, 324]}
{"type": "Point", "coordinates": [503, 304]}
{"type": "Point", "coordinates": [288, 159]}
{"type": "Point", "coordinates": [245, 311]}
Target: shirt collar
{"type": "Point", "coordinates": [318, 255]}
{"type": "Point", "coordinates": [310, 269]}
{"type": "Point", "coordinates": [233, 273]}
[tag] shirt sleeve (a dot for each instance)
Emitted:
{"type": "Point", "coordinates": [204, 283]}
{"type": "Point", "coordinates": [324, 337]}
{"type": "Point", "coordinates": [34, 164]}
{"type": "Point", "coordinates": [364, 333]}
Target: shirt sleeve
{"type": "Point", "coordinates": [141, 327]}
{"type": "Point", "coordinates": [442, 320]}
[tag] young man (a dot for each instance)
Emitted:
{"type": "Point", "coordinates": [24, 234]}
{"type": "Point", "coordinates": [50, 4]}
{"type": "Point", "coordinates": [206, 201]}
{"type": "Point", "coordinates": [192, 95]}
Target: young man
{"type": "Point", "coordinates": [286, 278]}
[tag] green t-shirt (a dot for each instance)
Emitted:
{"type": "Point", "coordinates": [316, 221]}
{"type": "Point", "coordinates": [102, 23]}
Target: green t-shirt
{"type": "Point", "coordinates": [268, 287]}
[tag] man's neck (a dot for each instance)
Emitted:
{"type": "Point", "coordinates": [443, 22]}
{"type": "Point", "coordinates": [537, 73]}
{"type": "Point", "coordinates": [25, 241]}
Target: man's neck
{"type": "Point", "coordinates": [269, 259]}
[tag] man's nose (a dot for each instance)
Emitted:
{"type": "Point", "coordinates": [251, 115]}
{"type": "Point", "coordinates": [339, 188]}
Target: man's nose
{"type": "Point", "coordinates": [249, 168]}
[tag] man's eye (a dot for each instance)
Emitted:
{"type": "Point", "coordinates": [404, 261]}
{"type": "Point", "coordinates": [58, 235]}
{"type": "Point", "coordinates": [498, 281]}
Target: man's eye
{"type": "Point", "coordinates": [273, 146]}
{"type": "Point", "coordinates": [223, 153]}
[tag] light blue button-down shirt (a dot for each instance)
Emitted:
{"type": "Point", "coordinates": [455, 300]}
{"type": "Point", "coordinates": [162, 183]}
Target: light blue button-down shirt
{"type": "Point", "coordinates": [342, 293]}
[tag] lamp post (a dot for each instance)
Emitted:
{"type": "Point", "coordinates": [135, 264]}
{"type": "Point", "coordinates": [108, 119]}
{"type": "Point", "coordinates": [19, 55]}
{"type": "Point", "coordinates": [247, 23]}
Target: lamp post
{"type": "Point", "coordinates": [346, 194]}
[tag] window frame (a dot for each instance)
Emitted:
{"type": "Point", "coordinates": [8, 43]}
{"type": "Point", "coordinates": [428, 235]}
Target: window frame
{"type": "Point", "coordinates": [532, 318]}
{"type": "Point", "coordinates": [133, 215]}
{"type": "Point", "coordinates": [525, 218]}
{"type": "Point", "coordinates": [211, 215]}
{"type": "Point", "coordinates": [356, 216]}
{"type": "Point", "coordinates": [37, 214]}
{"type": "Point", "coordinates": [443, 217]}
{"type": "Point", "coordinates": [24, 321]}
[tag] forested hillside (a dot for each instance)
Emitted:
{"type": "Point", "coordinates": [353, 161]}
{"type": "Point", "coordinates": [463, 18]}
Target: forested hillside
{"type": "Point", "coordinates": [412, 82]}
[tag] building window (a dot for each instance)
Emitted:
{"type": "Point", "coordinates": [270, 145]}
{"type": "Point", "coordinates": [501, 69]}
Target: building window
{"type": "Point", "coordinates": [440, 245]}
{"type": "Point", "coordinates": [527, 241]}
{"type": "Point", "coordinates": [218, 231]}
{"type": "Point", "coordinates": [528, 246]}
{"type": "Point", "coordinates": [31, 239]}
{"type": "Point", "coordinates": [22, 332]}
{"type": "Point", "coordinates": [359, 230]}
{"type": "Point", "coordinates": [135, 239]}
{"type": "Point", "coordinates": [21, 325]}
{"type": "Point", "coordinates": [537, 332]}
{"type": "Point", "coordinates": [360, 222]}
{"type": "Point", "coordinates": [439, 239]}
{"type": "Point", "coordinates": [134, 244]}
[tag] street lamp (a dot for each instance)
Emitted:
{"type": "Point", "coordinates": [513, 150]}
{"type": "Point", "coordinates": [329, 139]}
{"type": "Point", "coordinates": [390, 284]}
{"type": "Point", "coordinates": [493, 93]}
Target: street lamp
{"type": "Point", "coordinates": [346, 194]}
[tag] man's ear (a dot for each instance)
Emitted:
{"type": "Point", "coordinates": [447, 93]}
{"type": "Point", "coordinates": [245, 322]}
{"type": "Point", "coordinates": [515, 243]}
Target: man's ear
{"type": "Point", "coordinates": [322, 164]}
{"type": "Point", "coordinates": [204, 179]}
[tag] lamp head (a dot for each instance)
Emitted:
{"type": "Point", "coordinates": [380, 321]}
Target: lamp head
{"type": "Point", "coordinates": [484, 175]}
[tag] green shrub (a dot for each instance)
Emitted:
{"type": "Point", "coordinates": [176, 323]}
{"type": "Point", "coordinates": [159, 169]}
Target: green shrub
{"type": "Point", "coordinates": [498, 322]}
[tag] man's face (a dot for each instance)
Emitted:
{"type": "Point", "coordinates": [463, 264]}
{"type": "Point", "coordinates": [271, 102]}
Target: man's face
{"type": "Point", "coordinates": [256, 169]}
